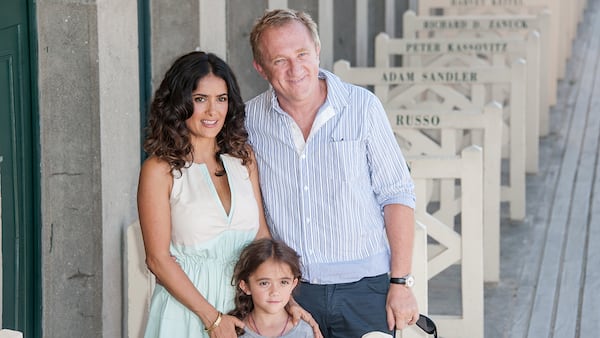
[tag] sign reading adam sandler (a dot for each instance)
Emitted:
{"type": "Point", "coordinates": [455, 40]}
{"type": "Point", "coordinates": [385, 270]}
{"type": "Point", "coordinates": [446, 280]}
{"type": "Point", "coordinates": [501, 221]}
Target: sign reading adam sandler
{"type": "Point", "coordinates": [399, 75]}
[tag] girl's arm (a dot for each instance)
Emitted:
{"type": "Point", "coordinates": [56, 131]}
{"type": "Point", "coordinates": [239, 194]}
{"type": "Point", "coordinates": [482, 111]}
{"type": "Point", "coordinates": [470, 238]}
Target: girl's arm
{"type": "Point", "coordinates": [154, 211]}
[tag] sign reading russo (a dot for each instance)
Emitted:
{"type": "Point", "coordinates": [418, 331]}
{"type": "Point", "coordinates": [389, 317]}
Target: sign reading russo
{"type": "Point", "coordinates": [423, 120]}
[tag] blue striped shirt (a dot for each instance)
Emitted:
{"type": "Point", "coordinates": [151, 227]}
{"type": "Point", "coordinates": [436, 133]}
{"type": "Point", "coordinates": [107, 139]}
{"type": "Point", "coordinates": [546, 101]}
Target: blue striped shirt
{"type": "Point", "coordinates": [325, 197]}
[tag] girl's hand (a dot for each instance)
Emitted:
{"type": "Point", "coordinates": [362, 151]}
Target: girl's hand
{"type": "Point", "coordinates": [297, 313]}
{"type": "Point", "coordinates": [226, 328]}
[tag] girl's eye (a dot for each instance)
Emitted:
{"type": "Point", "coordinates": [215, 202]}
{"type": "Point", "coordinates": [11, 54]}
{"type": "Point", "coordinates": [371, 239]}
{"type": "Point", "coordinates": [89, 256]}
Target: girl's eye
{"type": "Point", "coordinates": [285, 282]}
{"type": "Point", "coordinates": [199, 99]}
{"type": "Point", "coordinates": [263, 283]}
{"type": "Point", "coordinates": [222, 98]}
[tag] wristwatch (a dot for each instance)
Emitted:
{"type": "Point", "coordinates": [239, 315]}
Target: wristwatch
{"type": "Point", "coordinates": [407, 280]}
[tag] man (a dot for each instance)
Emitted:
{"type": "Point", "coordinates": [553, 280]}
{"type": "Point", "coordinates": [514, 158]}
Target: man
{"type": "Point", "coordinates": [335, 184]}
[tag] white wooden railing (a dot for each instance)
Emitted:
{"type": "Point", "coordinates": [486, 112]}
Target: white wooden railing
{"type": "Point", "coordinates": [464, 248]}
{"type": "Point", "coordinates": [6, 333]}
{"type": "Point", "coordinates": [139, 282]}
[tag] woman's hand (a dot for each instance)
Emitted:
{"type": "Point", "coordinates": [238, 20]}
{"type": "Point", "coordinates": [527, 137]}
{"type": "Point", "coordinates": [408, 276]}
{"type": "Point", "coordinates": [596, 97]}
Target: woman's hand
{"type": "Point", "coordinates": [297, 313]}
{"type": "Point", "coordinates": [226, 327]}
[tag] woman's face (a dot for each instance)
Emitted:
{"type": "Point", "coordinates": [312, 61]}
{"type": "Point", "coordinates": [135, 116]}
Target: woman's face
{"type": "Point", "coordinates": [210, 107]}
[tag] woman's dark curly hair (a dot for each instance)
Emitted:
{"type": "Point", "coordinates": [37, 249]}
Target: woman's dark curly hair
{"type": "Point", "coordinates": [252, 256]}
{"type": "Point", "coordinates": [167, 136]}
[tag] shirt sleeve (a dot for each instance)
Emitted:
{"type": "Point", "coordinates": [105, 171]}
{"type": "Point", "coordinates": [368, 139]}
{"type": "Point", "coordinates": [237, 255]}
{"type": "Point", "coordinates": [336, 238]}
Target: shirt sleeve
{"type": "Point", "coordinates": [390, 177]}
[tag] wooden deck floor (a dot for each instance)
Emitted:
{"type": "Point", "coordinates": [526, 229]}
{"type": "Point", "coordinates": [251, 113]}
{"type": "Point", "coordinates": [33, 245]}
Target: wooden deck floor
{"type": "Point", "coordinates": [550, 263]}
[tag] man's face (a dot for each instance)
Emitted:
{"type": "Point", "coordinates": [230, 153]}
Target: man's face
{"type": "Point", "coordinates": [290, 62]}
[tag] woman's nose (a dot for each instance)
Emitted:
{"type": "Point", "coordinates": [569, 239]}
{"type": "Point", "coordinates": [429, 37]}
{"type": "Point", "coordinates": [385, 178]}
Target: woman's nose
{"type": "Point", "coordinates": [211, 107]}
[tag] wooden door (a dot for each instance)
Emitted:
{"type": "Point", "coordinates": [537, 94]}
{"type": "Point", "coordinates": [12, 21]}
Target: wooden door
{"type": "Point", "coordinates": [16, 173]}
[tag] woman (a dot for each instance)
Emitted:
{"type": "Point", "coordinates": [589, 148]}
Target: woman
{"type": "Point", "coordinates": [198, 198]}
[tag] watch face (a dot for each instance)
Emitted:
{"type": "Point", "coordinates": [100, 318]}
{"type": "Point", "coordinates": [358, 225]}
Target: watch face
{"type": "Point", "coordinates": [410, 281]}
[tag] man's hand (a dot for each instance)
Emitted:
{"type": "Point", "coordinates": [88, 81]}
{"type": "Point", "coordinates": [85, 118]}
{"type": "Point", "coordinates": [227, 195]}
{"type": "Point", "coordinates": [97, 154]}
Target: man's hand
{"type": "Point", "coordinates": [297, 313]}
{"type": "Point", "coordinates": [401, 308]}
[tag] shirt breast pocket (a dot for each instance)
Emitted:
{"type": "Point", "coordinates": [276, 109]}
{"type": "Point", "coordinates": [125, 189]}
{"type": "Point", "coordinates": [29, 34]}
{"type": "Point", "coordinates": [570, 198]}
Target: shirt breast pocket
{"type": "Point", "coordinates": [347, 160]}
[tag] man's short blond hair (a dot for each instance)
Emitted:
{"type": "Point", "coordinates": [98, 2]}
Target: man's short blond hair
{"type": "Point", "coordinates": [278, 18]}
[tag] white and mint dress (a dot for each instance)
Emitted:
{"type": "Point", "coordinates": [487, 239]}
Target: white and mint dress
{"type": "Point", "coordinates": [206, 242]}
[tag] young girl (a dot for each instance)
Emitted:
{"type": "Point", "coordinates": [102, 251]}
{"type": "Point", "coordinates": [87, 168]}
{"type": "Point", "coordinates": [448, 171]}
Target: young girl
{"type": "Point", "coordinates": [266, 274]}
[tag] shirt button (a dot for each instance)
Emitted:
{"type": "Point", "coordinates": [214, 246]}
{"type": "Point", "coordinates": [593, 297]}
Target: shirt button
{"type": "Point", "coordinates": [307, 219]}
{"type": "Point", "coordinates": [306, 188]}
{"type": "Point", "coordinates": [302, 156]}
{"type": "Point", "coordinates": [315, 281]}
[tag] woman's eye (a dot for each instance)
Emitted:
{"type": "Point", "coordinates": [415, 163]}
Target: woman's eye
{"type": "Point", "coordinates": [199, 99]}
{"type": "Point", "coordinates": [223, 99]}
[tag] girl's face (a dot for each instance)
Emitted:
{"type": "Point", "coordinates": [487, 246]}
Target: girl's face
{"type": "Point", "coordinates": [270, 286]}
{"type": "Point", "coordinates": [210, 107]}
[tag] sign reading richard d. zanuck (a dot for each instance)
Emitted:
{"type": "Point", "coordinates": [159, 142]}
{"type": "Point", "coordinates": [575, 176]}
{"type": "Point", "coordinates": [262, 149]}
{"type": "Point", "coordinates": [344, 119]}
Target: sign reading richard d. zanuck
{"type": "Point", "coordinates": [473, 3]}
{"type": "Point", "coordinates": [466, 24]}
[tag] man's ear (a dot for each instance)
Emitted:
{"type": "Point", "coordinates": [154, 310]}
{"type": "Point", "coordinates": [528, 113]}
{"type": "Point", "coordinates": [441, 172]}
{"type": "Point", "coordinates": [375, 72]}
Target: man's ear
{"type": "Point", "coordinates": [259, 69]}
{"type": "Point", "coordinates": [294, 283]}
{"type": "Point", "coordinates": [244, 287]}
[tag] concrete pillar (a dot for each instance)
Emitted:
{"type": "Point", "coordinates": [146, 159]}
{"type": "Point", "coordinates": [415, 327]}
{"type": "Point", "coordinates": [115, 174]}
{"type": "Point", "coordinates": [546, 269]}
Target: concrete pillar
{"type": "Point", "coordinates": [89, 135]}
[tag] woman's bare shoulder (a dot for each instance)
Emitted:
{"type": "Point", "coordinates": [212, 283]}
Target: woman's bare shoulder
{"type": "Point", "coordinates": [155, 167]}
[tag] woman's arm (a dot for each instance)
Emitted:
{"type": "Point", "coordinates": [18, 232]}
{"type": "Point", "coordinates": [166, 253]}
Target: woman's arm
{"type": "Point", "coordinates": [154, 211]}
{"type": "Point", "coordinates": [263, 230]}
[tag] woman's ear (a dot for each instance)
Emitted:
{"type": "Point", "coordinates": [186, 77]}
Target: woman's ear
{"type": "Point", "coordinates": [244, 287]}
{"type": "Point", "coordinates": [294, 283]}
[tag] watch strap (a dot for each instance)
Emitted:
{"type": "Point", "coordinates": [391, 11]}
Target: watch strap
{"type": "Point", "coordinates": [398, 280]}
